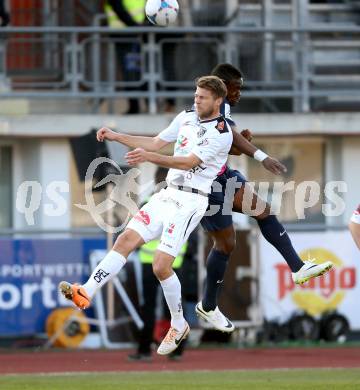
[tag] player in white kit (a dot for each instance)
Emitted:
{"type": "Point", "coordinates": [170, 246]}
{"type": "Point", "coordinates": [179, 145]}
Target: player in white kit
{"type": "Point", "coordinates": [203, 140]}
{"type": "Point", "coordinates": [354, 226]}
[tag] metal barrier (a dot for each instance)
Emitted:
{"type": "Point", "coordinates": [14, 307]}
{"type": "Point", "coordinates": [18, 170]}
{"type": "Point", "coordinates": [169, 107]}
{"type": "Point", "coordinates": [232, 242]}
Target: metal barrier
{"type": "Point", "coordinates": [152, 63]}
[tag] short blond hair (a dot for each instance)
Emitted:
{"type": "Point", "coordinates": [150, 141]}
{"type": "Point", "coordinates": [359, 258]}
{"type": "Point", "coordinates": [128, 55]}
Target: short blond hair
{"type": "Point", "coordinates": [213, 84]}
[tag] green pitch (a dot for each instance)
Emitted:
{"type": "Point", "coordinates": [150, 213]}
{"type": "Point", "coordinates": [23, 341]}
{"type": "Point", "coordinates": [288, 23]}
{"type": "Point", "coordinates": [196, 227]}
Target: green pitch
{"type": "Point", "coordinates": [199, 380]}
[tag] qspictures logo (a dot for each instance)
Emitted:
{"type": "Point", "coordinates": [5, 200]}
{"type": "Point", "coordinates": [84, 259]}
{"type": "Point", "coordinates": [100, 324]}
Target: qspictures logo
{"type": "Point", "coordinates": [319, 294]}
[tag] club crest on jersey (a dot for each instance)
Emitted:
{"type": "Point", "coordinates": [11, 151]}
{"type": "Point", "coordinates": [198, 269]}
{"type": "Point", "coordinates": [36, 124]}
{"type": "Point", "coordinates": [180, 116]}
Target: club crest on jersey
{"type": "Point", "coordinates": [143, 217]}
{"type": "Point", "coordinates": [221, 126]}
{"type": "Point", "coordinates": [201, 132]}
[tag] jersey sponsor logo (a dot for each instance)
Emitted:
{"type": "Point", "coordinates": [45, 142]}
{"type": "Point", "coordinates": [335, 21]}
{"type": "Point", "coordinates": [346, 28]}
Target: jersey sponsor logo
{"type": "Point", "coordinates": [182, 141]}
{"type": "Point", "coordinates": [194, 170]}
{"type": "Point", "coordinates": [143, 216]}
{"type": "Point", "coordinates": [357, 211]}
{"type": "Point", "coordinates": [100, 275]}
{"type": "Point", "coordinates": [197, 169]}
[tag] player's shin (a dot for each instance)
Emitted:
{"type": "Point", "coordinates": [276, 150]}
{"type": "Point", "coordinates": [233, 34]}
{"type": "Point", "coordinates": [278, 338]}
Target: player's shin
{"type": "Point", "coordinates": [215, 270]}
{"type": "Point", "coordinates": [109, 267]}
{"type": "Point", "coordinates": [275, 233]}
{"type": "Point", "coordinates": [172, 292]}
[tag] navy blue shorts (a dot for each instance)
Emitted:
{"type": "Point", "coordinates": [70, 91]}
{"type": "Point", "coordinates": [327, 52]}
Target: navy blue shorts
{"type": "Point", "coordinates": [223, 204]}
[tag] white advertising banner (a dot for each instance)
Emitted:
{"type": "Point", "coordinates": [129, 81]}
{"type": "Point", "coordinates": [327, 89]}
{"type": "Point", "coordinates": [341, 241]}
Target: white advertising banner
{"type": "Point", "coordinates": [337, 290]}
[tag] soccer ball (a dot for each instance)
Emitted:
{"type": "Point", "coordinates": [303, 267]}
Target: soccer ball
{"type": "Point", "coordinates": [162, 12]}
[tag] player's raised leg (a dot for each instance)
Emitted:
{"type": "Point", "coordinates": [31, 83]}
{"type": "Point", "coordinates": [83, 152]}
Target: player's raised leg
{"type": "Point", "coordinates": [109, 267]}
{"type": "Point", "coordinates": [184, 213]}
{"type": "Point", "coordinates": [274, 232]}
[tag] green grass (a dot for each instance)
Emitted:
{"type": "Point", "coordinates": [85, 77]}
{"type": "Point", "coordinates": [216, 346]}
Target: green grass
{"type": "Point", "coordinates": [318, 379]}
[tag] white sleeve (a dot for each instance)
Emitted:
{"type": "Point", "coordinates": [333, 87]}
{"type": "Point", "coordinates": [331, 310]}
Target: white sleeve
{"type": "Point", "coordinates": [171, 132]}
{"type": "Point", "coordinates": [209, 147]}
{"type": "Point", "coordinates": [228, 114]}
{"type": "Point", "coordinates": [227, 110]}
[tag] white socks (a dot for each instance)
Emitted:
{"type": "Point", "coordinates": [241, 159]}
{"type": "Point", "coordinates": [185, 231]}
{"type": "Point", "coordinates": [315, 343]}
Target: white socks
{"type": "Point", "coordinates": [172, 292]}
{"type": "Point", "coordinates": [110, 267]}
{"type": "Point", "coordinates": [105, 271]}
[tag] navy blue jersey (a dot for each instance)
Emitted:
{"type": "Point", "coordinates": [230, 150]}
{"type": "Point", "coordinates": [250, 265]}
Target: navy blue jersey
{"type": "Point", "coordinates": [225, 111]}
{"type": "Point", "coordinates": [218, 197]}
{"type": "Point", "coordinates": [221, 201]}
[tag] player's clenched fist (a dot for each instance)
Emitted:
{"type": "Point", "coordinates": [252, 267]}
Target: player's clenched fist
{"type": "Point", "coordinates": [247, 134]}
{"type": "Point", "coordinates": [136, 156]}
{"type": "Point", "coordinates": [105, 133]}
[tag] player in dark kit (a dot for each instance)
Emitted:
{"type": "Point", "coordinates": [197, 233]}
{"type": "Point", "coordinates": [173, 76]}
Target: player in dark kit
{"type": "Point", "coordinates": [220, 226]}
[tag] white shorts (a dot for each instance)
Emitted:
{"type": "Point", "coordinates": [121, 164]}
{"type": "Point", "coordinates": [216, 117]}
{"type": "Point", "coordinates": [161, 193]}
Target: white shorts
{"type": "Point", "coordinates": [356, 216]}
{"type": "Point", "coordinates": [172, 215]}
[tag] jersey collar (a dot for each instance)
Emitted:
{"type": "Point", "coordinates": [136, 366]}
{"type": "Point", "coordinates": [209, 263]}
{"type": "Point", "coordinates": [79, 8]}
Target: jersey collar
{"type": "Point", "coordinates": [212, 120]}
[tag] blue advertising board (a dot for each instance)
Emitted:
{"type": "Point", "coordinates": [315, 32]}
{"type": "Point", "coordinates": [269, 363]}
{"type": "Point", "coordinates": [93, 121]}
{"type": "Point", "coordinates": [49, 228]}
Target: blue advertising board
{"type": "Point", "coordinates": [30, 270]}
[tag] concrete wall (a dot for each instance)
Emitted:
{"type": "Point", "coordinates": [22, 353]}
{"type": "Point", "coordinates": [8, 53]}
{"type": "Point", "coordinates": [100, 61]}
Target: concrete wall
{"type": "Point", "coordinates": [44, 164]}
{"type": "Point", "coordinates": [261, 124]}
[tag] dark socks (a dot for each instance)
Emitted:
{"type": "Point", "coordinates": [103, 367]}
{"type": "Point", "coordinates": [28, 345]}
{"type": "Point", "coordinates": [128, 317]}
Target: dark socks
{"type": "Point", "coordinates": [215, 267]}
{"type": "Point", "coordinates": [275, 233]}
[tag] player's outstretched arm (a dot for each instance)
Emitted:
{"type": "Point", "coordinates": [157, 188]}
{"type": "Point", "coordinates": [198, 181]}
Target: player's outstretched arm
{"type": "Point", "coordinates": [185, 163]}
{"type": "Point", "coordinates": [242, 144]}
{"type": "Point", "coordinates": [152, 144]}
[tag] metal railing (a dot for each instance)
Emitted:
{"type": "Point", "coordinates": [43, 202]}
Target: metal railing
{"type": "Point", "coordinates": [153, 63]}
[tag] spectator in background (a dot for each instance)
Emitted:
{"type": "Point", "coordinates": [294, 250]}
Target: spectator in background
{"type": "Point", "coordinates": [130, 13]}
{"type": "Point", "coordinates": [4, 15]}
{"type": "Point", "coordinates": [121, 14]}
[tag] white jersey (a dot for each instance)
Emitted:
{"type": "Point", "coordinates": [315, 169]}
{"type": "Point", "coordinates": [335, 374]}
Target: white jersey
{"type": "Point", "coordinates": [210, 140]}
{"type": "Point", "coordinates": [225, 110]}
